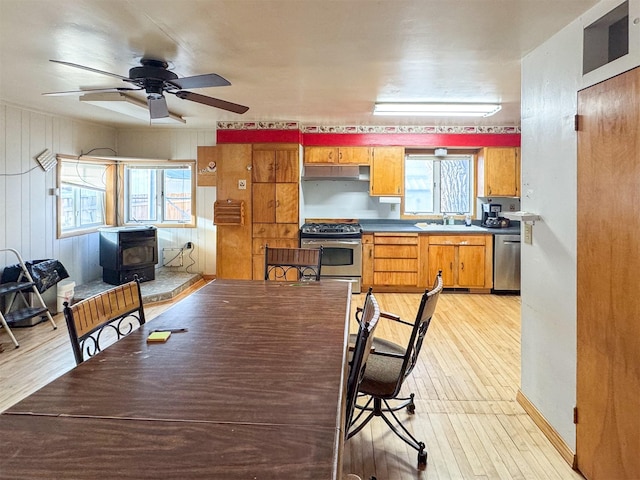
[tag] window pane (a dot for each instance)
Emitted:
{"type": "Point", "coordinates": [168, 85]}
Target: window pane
{"type": "Point", "coordinates": [418, 186]}
{"type": "Point", "coordinates": [437, 185]}
{"type": "Point", "coordinates": [177, 195]}
{"type": "Point", "coordinates": [454, 186]}
{"type": "Point", "coordinates": [83, 195]}
{"type": "Point", "coordinates": [142, 194]}
{"type": "Point", "coordinates": [91, 207]}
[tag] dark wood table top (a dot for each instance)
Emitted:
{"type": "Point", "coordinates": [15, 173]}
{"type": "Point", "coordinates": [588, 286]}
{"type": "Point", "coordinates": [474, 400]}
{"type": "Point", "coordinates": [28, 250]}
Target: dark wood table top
{"type": "Point", "coordinates": [266, 354]}
{"type": "Point", "coordinates": [48, 448]}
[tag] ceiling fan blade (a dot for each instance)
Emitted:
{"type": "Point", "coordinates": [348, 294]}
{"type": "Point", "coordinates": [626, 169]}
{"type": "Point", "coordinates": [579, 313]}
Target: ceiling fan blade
{"type": "Point", "coordinates": [201, 81]}
{"type": "Point", "coordinates": [82, 67]}
{"type": "Point", "coordinates": [212, 102]}
{"type": "Point", "coordinates": [158, 107]}
{"type": "Point", "coordinates": [94, 90]}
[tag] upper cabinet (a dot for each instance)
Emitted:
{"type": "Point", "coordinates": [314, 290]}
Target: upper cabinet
{"type": "Point", "coordinates": [386, 171]}
{"type": "Point", "coordinates": [499, 172]}
{"type": "Point", "coordinates": [337, 155]}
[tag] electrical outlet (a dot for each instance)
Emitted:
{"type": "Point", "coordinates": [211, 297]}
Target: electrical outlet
{"type": "Point", "coordinates": [528, 233]}
{"type": "Point", "coordinates": [242, 184]}
{"type": "Point", "coordinates": [512, 207]}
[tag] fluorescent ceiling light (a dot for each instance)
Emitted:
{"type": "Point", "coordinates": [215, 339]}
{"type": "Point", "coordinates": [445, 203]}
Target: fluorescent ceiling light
{"type": "Point", "coordinates": [437, 109]}
{"type": "Point", "coordinates": [128, 105]}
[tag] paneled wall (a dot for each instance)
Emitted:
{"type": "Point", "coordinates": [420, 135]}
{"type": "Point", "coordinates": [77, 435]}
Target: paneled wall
{"type": "Point", "coordinates": [180, 144]}
{"type": "Point", "coordinates": [27, 205]}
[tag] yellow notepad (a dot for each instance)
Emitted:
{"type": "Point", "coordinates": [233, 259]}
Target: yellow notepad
{"type": "Point", "coordinates": [158, 337]}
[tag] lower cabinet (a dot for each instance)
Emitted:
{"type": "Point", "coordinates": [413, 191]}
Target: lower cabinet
{"type": "Point", "coordinates": [409, 262]}
{"type": "Point", "coordinates": [465, 260]}
{"type": "Point", "coordinates": [395, 259]}
{"type": "Point", "coordinates": [284, 235]}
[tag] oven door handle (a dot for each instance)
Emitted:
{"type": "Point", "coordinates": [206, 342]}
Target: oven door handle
{"type": "Point", "coordinates": [332, 242]}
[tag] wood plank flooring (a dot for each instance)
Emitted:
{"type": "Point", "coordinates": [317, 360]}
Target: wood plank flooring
{"type": "Point", "coordinates": [465, 383]}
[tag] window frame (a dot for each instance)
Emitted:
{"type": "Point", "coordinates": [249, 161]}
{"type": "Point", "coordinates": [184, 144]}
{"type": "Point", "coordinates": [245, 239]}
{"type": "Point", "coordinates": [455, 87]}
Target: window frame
{"type": "Point", "coordinates": [472, 154]}
{"type": "Point", "coordinates": [158, 165]}
{"type": "Point", "coordinates": [109, 200]}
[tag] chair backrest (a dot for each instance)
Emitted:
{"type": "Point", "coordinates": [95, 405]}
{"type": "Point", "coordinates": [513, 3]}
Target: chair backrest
{"type": "Point", "coordinates": [291, 264]}
{"type": "Point", "coordinates": [367, 322]}
{"type": "Point", "coordinates": [97, 321]}
{"type": "Point", "coordinates": [420, 326]}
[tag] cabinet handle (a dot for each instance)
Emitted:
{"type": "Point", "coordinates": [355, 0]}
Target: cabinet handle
{"type": "Point", "coordinates": [461, 265]}
{"type": "Point", "coordinates": [339, 155]}
{"type": "Point", "coordinates": [451, 266]}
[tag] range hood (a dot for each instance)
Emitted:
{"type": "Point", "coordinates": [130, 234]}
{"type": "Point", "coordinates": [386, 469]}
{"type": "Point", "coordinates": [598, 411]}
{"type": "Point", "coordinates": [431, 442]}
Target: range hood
{"type": "Point", "coordinates": [331, 172]}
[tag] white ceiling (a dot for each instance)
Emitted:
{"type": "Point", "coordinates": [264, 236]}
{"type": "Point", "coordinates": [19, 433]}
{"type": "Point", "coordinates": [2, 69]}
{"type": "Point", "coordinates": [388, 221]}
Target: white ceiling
{"type": "Point", "coordinates": [317, 62]}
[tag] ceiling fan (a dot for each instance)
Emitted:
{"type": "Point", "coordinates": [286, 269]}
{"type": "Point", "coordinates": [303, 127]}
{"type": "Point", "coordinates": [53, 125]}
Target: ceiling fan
{"type": "Point", "coordinates": [154, 78]}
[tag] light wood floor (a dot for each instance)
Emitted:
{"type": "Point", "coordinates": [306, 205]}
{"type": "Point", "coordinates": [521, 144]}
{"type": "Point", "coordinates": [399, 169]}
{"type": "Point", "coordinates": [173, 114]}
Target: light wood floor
{"type": "Point", "coordinates": [465, 384]}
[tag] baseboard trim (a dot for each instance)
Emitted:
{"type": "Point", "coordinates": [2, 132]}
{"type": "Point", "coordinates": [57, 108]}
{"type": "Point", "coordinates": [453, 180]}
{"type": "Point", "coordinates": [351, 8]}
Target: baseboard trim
{"type": "Point", "coordinates": [545, 427]}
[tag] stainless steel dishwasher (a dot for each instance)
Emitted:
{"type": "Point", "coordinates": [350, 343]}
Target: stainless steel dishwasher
{"type": "Point", "coordinates": [506, 262]}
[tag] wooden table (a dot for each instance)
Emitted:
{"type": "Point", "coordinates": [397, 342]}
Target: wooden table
{"type": "Point", "coordinates": [254, 389]}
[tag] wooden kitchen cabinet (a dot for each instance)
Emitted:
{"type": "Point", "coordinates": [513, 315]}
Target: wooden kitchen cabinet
{"type": "Point", "coordinates": [367, 261]}
{"type": "Point", "coordinates": [275, 198]}
{"type": "Point", "coordinates": [337, 155]}
{"type": "Point", "coordinates": [395, 259]}
{"type": "Point", "coordinates": [275, 202]}
{"type": "Point", "coordinates": [466, 261]}
{"type": "Point", "coordinates": [387, 171]}
{"type": "Point", "coordinates": [281, 235]}
{"type": "Point", "coordinates": [499, 172]}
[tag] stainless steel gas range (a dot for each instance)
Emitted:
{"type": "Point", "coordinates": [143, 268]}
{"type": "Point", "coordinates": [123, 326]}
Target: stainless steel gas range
{"type": "Point", "coordinates": [342, 250]}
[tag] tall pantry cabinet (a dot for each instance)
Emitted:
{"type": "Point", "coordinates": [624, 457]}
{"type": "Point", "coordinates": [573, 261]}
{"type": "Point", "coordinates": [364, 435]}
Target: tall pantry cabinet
{"type": "Point", "coordinates": [275, 199]}
{"type": "Point", "coordinates": [266, 177]}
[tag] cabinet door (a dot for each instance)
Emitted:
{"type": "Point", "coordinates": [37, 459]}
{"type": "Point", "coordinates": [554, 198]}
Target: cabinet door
{"type": "Point", "coordinates": [387, 171]}
{"type": "Point", "coordinates": [442, 257]}
{"type": "Point", "coordinates": [321, 155]}
{"type": "Point", "coordinates": [354, 155]}
{"type": "Point", "coordinates": [264, 166]}
{"type": "Point", "coordinates": [264, 202]}
{"type": "Point", "coordinates": [471, 266]}
{"type": "Point", "coordinates": [286, 202]}
{"type": "Point", "coordinates": [287, 166]}
{"type": "Point", "coordinates": [367, 261]}
{"type": "Point", "coordinates": [501, 167]}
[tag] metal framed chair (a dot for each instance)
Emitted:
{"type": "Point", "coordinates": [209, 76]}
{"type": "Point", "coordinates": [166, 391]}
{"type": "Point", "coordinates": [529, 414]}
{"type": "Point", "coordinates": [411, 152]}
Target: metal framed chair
{"type": "Point", "coordinates": [292, 264]}
{"type": "Point", "coordinates": [367, 318]}
{"type": "Point", "coordinates": [98, 321]}
{"type": "Point", "coordinates": [387, 368]}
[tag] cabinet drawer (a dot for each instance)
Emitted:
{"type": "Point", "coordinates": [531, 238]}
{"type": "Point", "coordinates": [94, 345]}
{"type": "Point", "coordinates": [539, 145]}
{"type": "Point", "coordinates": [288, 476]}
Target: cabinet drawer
{"type": "Point", "coordinates": [265, 230]}
{"type": "Point", "coordinates": [395, 278]}
{"type": "Point", "coordinates": [395, 239]}
{"type": "Point", "coordinates": [395, 265]}
{"type": "Point", "coordinates": [288, 230]}
{"type": "Point", "coordinates": [395, 251]}
{"type": "Point", "coordinates": [457, 240]}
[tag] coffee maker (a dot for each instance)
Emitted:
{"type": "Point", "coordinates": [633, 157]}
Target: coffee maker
{"type": "Point", "coordinates": [491, 214]}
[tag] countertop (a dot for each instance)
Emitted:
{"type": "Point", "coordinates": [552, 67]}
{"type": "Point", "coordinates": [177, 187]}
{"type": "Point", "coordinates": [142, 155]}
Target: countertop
{"type": "Point", "coordinates": [409, 226]}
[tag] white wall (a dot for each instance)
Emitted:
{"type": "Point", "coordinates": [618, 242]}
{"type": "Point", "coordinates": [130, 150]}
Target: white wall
{"type": "Point", "coordinates": [27, 209]}
{"type": "Point", "coordinates": [551, 77]}
{"type": "Point", "coordinates": [179, 144]}
{"type": "Point", "coordinates": [343, 199]}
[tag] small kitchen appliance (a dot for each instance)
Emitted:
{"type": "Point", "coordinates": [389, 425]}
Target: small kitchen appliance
{"type": "Point", "coordinates": [491, 216]}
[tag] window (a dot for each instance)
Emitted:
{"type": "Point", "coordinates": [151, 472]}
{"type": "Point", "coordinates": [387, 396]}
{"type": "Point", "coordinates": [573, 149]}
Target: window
{"type": "Point", "coordinates": [86, 195]}
{"type": "Point", "coordinates": [159, 194]}
{"type": "Point", "coordinates": [436, 185]}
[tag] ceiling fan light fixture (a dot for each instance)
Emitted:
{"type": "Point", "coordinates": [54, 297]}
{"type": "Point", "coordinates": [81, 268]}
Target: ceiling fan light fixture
{"type": "Point", "coordinates": [436, 109]}
{"type": "Point", "coordinates": [128, 105]}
